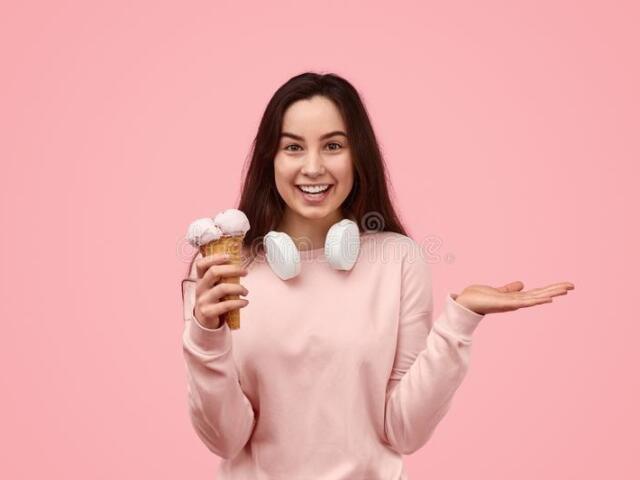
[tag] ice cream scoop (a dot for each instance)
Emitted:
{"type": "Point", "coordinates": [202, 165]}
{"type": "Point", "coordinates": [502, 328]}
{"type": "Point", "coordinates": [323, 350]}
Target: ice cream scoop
{"type": "Point", "coordinates": [232, 222]}
{"type": "Point", "coordinates": [203, 231]}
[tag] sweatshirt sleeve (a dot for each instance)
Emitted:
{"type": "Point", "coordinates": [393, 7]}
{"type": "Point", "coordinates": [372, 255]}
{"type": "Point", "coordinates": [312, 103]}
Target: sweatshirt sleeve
{"type": "Point", "coordinates": [220, 413]}
{"type": "Point", "coordinates": [431, 358]}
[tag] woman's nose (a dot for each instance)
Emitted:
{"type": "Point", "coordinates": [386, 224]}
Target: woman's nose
{"type": "Point", "coordinates": [313, 164]}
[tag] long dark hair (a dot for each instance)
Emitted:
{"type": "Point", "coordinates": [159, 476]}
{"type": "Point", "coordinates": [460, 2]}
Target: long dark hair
{"type": "Point", "coordinates": [368, 203]}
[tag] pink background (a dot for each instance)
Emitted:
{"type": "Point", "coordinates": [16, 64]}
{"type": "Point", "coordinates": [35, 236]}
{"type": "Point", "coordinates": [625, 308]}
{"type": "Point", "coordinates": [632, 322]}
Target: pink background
{"type": "Point", "coordinates": [511, 133]}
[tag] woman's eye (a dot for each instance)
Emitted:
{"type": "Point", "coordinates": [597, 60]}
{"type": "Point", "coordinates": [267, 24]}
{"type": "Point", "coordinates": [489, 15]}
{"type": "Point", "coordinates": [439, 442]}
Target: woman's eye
{"type": "Point", "coordinates": [298, 146]}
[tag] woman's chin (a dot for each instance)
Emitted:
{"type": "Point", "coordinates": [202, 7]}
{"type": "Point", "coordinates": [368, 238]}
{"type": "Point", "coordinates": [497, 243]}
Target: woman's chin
{"type": "Point", "coordinates": [313, 211]}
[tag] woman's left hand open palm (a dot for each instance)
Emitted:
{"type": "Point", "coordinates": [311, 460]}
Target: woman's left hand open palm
{"type": "Point", "coordinates": [485, 299]}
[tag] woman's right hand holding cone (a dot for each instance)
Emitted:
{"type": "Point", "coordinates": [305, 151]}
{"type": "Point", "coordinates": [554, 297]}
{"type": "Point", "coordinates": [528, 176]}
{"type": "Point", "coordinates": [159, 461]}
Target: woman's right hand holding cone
{"type": "Point", "coordinates": [210, 288]}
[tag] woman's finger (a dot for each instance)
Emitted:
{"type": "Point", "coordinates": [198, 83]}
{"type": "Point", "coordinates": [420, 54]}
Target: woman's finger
{"type": "Point", "coordinates": [512, 287]}
{"type": "Point", "coordinates": [564, 285]}
{"type": "Point", "coordinates": [546, 291]}
{"type": "Point", "coordinates": [221, 290]}
{"type": "Point", "coordinates": [217, 272]}
{"type": "Point", "coordinates": [218, 308]}
{"type": "Point", "coordinates": [203, 264]}
{"type": "Point", "coordinates": [551, 292]}
{"type": "Point", "coordinates": [529, 302]}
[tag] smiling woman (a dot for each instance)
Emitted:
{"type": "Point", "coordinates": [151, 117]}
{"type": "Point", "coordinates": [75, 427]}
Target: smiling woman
{"type": "Point", "coordinates": [337, 372]}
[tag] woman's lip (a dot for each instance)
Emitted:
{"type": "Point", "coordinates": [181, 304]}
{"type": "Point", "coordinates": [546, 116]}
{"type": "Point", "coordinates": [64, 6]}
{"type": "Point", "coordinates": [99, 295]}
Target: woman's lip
{"type": "Point", "coordinates": [314, 198]}
{"type": "Point", "coordinates": [312, 184]}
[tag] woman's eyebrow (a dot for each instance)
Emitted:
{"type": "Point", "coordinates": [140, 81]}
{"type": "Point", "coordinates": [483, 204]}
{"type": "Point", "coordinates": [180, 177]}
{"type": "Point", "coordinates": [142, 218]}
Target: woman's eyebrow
{"type": "Point", "coordinates": [326, 135]}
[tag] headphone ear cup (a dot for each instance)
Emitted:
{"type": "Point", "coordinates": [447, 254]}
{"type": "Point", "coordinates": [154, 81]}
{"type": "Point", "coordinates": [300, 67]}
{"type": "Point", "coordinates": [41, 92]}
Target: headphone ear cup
{"type": "Point", "coordinates": [342, 244]}
{"type": "Point", "coordinates": [282, 254]}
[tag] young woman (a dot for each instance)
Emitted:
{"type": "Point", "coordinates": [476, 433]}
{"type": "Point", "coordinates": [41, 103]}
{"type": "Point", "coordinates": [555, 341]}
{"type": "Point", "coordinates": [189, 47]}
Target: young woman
{"type": "Point", "coordinates": [334, 374]}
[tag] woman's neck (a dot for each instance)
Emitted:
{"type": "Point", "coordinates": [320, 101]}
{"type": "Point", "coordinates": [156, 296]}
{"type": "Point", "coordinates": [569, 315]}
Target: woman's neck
{"type": "Point", "coordinates": [308, 233]}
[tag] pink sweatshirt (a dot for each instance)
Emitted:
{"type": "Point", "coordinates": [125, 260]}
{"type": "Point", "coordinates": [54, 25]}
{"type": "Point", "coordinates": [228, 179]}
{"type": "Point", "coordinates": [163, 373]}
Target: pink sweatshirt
{"type": "Point", "coordinates": [333, 375]}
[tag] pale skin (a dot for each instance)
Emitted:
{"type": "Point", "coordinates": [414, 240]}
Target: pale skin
{"type": "Point", "coordinates": [312, 152]}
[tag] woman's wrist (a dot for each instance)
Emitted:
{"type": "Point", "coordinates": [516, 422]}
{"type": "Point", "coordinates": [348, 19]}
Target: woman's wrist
{"type": "Point", "coordinates": [460, 300]}
{"type": "Point", "coordinates": [212, 326]}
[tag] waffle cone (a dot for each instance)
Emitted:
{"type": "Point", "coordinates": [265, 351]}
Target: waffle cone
{"type": "Point", "coordinates": [231, 245]}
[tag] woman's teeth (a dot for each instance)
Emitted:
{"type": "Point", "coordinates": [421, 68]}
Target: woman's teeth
{"type": "Point", "coordinates": [314, 189]}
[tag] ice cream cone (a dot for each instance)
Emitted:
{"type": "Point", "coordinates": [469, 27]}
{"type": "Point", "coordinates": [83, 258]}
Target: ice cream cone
{"type": "Point", "coordinates": [231, 245]}
{"type": "Point", "coordinates": [222, 234]}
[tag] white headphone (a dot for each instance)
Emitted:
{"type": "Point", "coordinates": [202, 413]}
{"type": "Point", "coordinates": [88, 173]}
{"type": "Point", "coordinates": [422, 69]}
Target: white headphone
{"type": "Point", "coordinates": [341, 248]}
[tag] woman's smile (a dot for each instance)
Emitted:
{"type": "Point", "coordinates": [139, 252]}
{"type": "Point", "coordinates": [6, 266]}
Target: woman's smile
{"type": "Point", "coordinates": [314, 194]}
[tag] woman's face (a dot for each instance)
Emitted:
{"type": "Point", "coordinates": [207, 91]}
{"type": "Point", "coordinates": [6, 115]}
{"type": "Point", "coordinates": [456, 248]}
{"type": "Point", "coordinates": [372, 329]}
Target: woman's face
{"type": "Point", "coordinates": [313, 150]}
